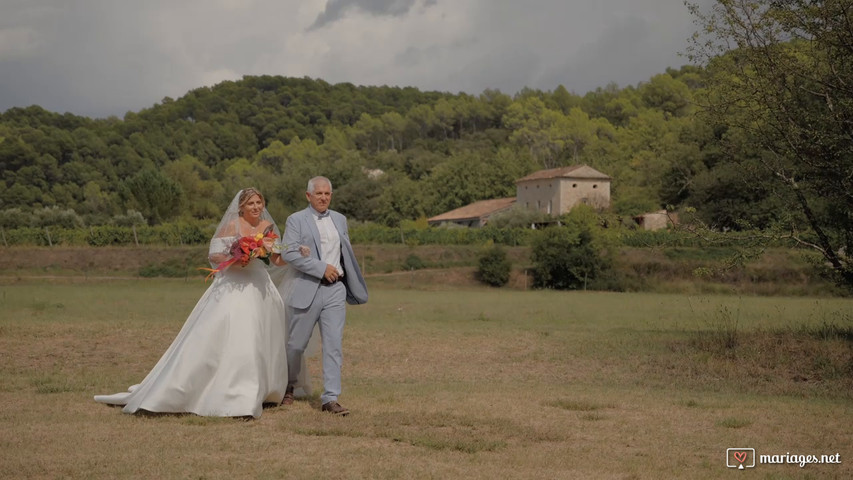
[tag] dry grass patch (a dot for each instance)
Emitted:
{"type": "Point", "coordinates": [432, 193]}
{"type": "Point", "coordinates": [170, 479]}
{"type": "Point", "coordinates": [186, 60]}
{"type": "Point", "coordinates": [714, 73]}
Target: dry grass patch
{"type": "Point", "coordinates": [811, 358]}
{"type": "Point", "coordinates": [576, 405]}
{"type": "Point", "coordinates": [472, 383]}
{"type": "Point", "coordinates": [734, 422]}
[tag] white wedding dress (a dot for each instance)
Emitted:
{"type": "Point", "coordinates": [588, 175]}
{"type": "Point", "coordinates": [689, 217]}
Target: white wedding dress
{"type": "Point", "coordinates": [229, 357]}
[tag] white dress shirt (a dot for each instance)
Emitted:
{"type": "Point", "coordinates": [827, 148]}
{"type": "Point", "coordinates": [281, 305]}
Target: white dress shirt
{"type": "Point", "coordinates": [330, 241]}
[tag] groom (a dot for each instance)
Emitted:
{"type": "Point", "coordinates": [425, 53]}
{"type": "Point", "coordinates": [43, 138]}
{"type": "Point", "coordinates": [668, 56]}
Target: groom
{"type": "Point", "coordinates": [326, 280]}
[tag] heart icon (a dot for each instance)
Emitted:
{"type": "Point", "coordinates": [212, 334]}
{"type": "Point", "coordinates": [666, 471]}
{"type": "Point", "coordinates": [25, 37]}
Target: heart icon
{"type": "Point", "coordinates": [740, 456]}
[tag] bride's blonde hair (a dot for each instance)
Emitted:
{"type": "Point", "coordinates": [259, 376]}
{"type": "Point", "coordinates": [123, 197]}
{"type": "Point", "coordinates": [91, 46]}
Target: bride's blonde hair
{"type": "Point", "coordinates": [245, 195]}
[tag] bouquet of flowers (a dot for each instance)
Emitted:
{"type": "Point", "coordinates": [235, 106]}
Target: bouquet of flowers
{"type": "Point", "coordinates": [244, 249]}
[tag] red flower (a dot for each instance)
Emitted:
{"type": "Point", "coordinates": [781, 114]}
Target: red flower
{"type": "Point", "coordinates": [243, 250]}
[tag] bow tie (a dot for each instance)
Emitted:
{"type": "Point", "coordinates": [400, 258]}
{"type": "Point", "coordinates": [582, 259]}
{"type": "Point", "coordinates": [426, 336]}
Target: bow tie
{"type": "Point", "coordinates": [323, 215]}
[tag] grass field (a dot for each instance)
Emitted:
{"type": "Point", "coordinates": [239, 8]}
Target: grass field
{"type": "Point", "coordinates": [444, 383]}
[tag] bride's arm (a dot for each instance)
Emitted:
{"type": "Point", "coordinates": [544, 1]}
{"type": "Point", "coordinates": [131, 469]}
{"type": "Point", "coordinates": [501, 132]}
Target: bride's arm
{"type": "Point", "coordinates": [277, 260]}
{"type": "Point", "coordinates": [219, 250]}
{"type": "Point", "coordinates": [220, 247]}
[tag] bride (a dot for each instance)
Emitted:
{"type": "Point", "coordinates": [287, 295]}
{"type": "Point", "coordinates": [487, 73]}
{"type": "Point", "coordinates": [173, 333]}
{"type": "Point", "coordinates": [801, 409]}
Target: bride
{"type": "Point", "coordinates": [229, 358]}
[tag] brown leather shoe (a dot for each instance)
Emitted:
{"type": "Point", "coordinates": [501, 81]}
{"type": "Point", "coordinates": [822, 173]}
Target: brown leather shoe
{"type": "Point", "coordinates": [288, 396]}
{"type": "Point", "coordinates": [335, 408]}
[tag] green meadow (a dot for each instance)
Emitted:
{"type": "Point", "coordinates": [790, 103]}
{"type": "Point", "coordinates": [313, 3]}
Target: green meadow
{"type": "Point", "coordinates": [461, 382]}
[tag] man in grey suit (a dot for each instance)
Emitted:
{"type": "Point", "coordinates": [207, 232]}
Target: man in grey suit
{"type": "Point", "coordinates": [326, 280]}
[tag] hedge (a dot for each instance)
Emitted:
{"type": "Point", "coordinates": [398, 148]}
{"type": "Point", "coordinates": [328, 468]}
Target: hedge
{"type": "Point", "coordinates": [199, 232]}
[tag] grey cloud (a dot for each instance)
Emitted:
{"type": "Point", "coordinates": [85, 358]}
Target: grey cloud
{"type": "Point", "coordinates": [609, 42]}
{"type": "Point", "coordinates": [507, 71]}
{"type": "Point", "coordinates": [624, 53]}
{"type": "Point", "coordinates": [431, 54]}
{"type": "Point", "coordinates": [337, 9]}
{"type": "Point", "coordinates": [113, 58]}
{"type": "Point", "coordinates": [101, 57]}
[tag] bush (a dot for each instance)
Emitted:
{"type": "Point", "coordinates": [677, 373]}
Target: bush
{"type": "Point", "coordinates": [494, 267]}
{"type": "Point", "coordinates": [573, 256]}
{"type": "Point", "coordinates": [56, 217]}
{"type": "Point", "coordinates": [182, 233]}
{"type": "Point", "coordinates": [518, 217]}
{"type": "Point", "coordinates": [413, 262]}
{"type": "Point", "coordinates": [14, 218]}
{"type": "Point", "coordinates": [109, 235]}
{"type": "Point", "coordinates": [130, 219]}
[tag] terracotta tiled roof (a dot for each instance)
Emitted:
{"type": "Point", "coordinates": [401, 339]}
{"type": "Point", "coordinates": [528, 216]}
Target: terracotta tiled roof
{"type": "Point", "coordinates": [575, 171]}
{"type": "Point", "coordinates": [475, 210]}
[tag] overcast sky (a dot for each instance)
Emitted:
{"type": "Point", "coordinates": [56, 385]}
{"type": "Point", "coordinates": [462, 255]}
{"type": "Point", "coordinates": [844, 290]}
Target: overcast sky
{"type": "Point", "coordinates": [106, 57]}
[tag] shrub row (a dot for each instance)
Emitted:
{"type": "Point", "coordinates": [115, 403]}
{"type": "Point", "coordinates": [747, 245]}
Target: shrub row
{"type": "Point", "coordinates": [377, 234]}
{"type": "Point", "coordinates": [199, 232]}
{"type": "Point", "coordinates": [100, 236]}
{"type": "Point", "coordinates": [682, 238]}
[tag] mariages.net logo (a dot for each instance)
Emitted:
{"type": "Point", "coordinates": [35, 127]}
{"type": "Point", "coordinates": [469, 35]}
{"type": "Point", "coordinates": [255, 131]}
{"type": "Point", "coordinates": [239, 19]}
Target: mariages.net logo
{"type": "Point", "coordinates": [742, 458]}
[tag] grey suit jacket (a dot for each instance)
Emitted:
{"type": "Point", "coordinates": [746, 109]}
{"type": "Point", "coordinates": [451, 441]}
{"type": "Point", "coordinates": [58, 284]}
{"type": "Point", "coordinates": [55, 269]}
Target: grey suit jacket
{"type": "Point", "coordinates": [301, 229]}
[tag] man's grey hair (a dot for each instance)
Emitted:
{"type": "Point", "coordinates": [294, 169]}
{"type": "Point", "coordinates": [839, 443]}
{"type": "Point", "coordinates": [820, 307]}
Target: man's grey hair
{"type": "Point", "coordinates": [314, 181]}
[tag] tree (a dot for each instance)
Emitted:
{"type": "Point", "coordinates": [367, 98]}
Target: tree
{"type": "Point", "coordinates": [155, 195]}
{"type": "Point", "coordinates": [19, 194]}
{"type": "Point", "coordinates": [357, 198]}
{"type": "Point", "coordinates": [97, 202]}
{"type": "Point", "coordinates": [394, 126]}
{"type": "Point", "coordinates": [493, 266]}
{"type": "Point", "coordinates": [665, 93]}
{"type": "Point", "coordinates": [568, 257]}
{"type": "Point", "coordinates": [445, 116]}
{"type": "Point", "coordinates": [421, 119]}
{"type": "Point", "coordinates": [15, 218]}
{"type": "Point", "coordinates": [56, 217]}
{"type": "Point", "coordinates": [696, 151]}
{"type": "Point", "coordinates": [14, 154]}
{"type": "Point", "coordinates": [580, 132]}
{"type": "Point", "coordinates": [643, 153]}
{"type": "Point", "coordinates": [726, 201]}
{"type": "Point", "coordinates": [467, 177]}
{"type": "Point", "coordinates": [400, 199]}
{"type": "Point", "coordinates": [200, 191]}
{"type": "Point", "coordinates": [543, 131]}
{"type": "Point", "coordinates": [496, 104]}
{"type": "Point", "coordinates": [780, 80]}
{"type": "Point", "coordinates": [562, 100]}
{"type": "Point", "coordinates": [370, 134]}
{"type": "Point", "coordinates": [572, 256]}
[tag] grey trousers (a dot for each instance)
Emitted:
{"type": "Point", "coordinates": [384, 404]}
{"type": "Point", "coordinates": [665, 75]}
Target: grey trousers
{"type": "Point", "coordinates": [329, 309]}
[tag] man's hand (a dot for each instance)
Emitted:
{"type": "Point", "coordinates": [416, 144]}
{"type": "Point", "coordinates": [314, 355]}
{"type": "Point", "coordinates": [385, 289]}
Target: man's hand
{"type": "Point", "coordinates": [304, 251]}
{"type": "Point", "coordinates": [331, 274]}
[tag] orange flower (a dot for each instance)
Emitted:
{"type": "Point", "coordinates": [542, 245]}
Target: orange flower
{"type": "Point", "coordinates": [243, 250]}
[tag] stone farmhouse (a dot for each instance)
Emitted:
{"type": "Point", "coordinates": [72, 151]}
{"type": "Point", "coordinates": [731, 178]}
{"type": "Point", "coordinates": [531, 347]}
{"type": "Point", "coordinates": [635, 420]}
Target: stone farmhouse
{"type": "Point", "coordinates": [474, 215]}
{"type": "Point", "coordinates": [557, 190]}
{"type": "Point", "coordinates": [554, 191]}
{"type": "Point", "coordinates": [658, 220]}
